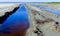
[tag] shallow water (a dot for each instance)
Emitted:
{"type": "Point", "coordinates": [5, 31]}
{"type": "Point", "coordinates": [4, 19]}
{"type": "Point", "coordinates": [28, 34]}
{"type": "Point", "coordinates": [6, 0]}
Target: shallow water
{"type": "Point", "coordinates": [49, 10]}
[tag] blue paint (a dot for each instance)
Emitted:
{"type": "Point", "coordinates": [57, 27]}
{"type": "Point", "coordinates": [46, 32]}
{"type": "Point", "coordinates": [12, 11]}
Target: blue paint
{"type": "Point", "coordinates": [20, 16]}
{"type": "Point", "coordinates": [49, 10]}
